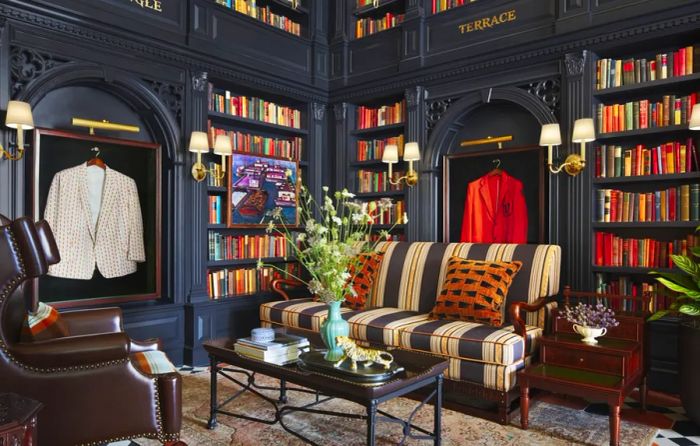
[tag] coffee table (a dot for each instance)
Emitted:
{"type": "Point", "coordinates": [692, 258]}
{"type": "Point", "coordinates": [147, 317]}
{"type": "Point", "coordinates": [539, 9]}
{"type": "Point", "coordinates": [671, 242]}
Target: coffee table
{"type": "Point", "coordinates": [421, 371]}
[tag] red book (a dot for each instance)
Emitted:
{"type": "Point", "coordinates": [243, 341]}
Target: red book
{"type": "Point", "coordinates": [644, 114]}
{"type": "Point", "coordinates": [607, 244]}
{"type": "Point", "coordinates": [671, 202]}
{"type": "Point", "coordinates": [654, 161]}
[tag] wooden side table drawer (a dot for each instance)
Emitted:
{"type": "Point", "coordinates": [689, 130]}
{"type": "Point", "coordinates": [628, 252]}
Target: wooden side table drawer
{"type": "Point", "coordinates": [581, 359]}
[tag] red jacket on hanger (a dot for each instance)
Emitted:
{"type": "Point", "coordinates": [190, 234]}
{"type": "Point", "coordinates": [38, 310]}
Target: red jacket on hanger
{"type": "Point", "coordinates": [495, 210]}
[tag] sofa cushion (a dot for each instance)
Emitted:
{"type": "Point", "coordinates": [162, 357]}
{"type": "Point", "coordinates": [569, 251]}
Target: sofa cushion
{"type": "Point", "coordinates": [468, 340]}
{"type": "Point", "coordinates": [305, 314]}
{"type": "Point", "coordinates": [365, 272]}
{"type": "Point", "coordinates": [475, 291]}
{"type": "Point", "coordinates": [492, 376]}
{"type": "Point", "coordinates": [382, 325]}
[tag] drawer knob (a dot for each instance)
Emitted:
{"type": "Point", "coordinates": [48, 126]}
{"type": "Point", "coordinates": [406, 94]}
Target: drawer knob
{"type": "Point", "coordinates": [580, 359]}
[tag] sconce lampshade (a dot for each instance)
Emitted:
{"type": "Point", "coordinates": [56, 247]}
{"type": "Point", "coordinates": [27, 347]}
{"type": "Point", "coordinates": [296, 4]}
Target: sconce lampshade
{"type": "Point", "coordinates": [411, 152]}
{"type": "Point", "coordinates": [584, 131]}
{"type": "Point", "coordinates": [694, 123]}
{"type": "Point", "coordinates": [222, 146]}
{"type": "Point", "coordinates": [19, 115]}
{"type": "Point", "coordinates": [391, 154]}
{"type": "Point", "coordinates": [550, 135]}
{"type": "Point", "coordinates": [199, 142]}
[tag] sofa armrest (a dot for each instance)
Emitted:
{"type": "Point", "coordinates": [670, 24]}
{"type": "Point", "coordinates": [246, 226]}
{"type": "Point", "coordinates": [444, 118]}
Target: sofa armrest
{"type": "Point", "coordinates": [517, 308]}
{"type": "Point", "coordinates": [73, 351]}
{"type": "Point", "coordinates": [86, 322]}
{"type": "Point", "coordinates": [277, 285]}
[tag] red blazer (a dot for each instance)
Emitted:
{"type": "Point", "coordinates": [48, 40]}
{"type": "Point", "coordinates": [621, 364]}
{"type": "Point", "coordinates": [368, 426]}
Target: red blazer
{"type": "Point", "coordinates": [495, 210]}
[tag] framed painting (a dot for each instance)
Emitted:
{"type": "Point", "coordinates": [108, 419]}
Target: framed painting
{"type": "Point", "coordinates": [102, 199]}
{"type": "Point", "coordinates": [257, 186]}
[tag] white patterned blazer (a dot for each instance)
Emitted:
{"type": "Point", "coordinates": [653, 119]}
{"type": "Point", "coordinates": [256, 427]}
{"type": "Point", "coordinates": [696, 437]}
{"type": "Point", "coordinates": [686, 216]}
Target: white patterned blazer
{"type": "Point", "coordinates": [114, 244]}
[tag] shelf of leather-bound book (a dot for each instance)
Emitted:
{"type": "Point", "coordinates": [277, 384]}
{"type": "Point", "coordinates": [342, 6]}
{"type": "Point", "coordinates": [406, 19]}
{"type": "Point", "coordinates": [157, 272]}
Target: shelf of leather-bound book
{"type": "Point", "coordinates": [678, 84]}
{"type": "Point", "coordinates": [648, 178]}
{"type": "Point", "coordinates": [249, 261]}
{"type": "Point", "coordinates": [382, 7]}
{"type": "Point", "coordinates": [652, 131]}
{"type": "Point", "coordinates": [255, 124]}
{"type": "Point", "coordinates": [643, 270]}
{"type": "Point", "coordinates": [299, 16]}
{"type": "Point", "coordinates": [646, 224]}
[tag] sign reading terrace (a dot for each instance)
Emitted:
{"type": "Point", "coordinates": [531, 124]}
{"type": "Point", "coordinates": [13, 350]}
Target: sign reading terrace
{"type": "Point", "coordinates": [485, 23]}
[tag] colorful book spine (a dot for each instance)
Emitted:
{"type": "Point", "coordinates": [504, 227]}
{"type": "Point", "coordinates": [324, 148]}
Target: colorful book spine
{"type": "Point", "coordinates": [658, 296]}
{"type": "Point", "coordinates": [234, 247]}
{"type": "Point", "coordinates": [372, 181]}
{"type": "Point", "coordinates": [642, 114]}
{"type": "Point", "coordinates": [390, 216]}
{"type": "Point", "coordinates": [616, 251]}
{"type": "Point", "coordinates": [263, 14]}
{"type": "Point", "coordinates": [216, 179]}
{"type": "Point", "coordinates": [242, 281]}
{"type": "Point", "coordinates": [444, 5]}
{"type": "Point", "coordinates": [369, 25]}
{"type": "Point", "coordinates": [289, 148]}
{"type": "Point", "coordinates": [372, 150]}
{"type": "Point", "coordinates": [368, 117]}
{"type": "Point", "coordinates": [254, 108]}
{"type": "Point", "coordinates": [216, 213]}
{"type": "Point", "coordinates": [673, 204]}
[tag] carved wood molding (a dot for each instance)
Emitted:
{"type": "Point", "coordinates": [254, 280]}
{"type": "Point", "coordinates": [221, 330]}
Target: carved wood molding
{"type": "Point", "coordinates": [548, 91]}
{"type": "Point", "coordinates": [26, 65]}
{"type": "Point", "coordinates": [435, 110]}
{"type": "Point", "coordinates": [171, 95]}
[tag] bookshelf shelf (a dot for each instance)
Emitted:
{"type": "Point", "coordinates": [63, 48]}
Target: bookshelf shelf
{"type": "Point", "coordinates": [221, 226]}
{"type": "Point", "coordinates": [670, 129]}
{"type": "Point", "coordinates": [648, 178]}
{"type": "Point", "coordinates": [373, 164]}
{"type": "Point", "coordinates": [645, 224]}
{"type": "Point", "coordinates": [630, 269]}
{"type": "Point", "coordinates": [369, 10]}
{"type": "Point", "coordinates": [300, 9]}
{"type": "Point", "coordinates": [254, 124]}
{"type": "Point", "coordinates": [381, 130]}
{"type": "Point", "coordinates": [387, 227]}
{"type": "Point", "coordinates": [300, 17]}
{"type": "Point", "coordinates": [389, 193]}
{"type": "Point", "coordinates": [673, 83]}
{"type": "Point", "coordinates": [217, 190]}
{"type": "Point", "coordinates": [258, 295]}
{"type": "Point", "coordinates": [248, 262]}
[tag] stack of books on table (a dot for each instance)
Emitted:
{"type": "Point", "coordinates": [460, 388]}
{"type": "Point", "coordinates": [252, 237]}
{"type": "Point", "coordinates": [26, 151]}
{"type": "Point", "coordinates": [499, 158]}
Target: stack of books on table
{"type": "Point", "coordinates": [285, 349]}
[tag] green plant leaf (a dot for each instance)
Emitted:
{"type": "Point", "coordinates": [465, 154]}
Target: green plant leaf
{"type": "Point", "coordinates": [658, 315]}
{"type": "Point", "coordinates": [692, 309]}
{"type": "Point", "coordinates": [695, 250]}
{"type": "Point", "coordinates": [679, 280]}
{"type": "Point", "coordinates": [687, 264]}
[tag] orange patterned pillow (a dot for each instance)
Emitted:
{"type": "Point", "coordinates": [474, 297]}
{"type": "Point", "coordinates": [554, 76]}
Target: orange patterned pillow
{"type": "Point", "coordinates": [474, 291]}
{"type": "Point", "coordinates": [368, 265]}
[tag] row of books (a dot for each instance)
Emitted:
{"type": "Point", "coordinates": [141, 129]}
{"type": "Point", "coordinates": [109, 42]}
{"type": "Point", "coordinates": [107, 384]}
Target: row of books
{"type": "Point", "coordinates": [284, 349]}
{"type": "Point", "coordinates": [232, 247]}
{"type": "Point", "coordinates": [215, 177]}
{"type": "Point", "coordinates": [681, 203]}
{"type": "Point", "coordinates": [643, 114]}
{"type": "Point", "coordinates": [290, 148]}
{"type": "Point", "coordinates": [216, 210]}
{"type": "Point", "coordinates": [263, 13]}
{"type": "Point", "coordinates": [372, 181]}
{"type": "Point", "coordinates": [444, 5]}
{"type": "Point", "coordinates": [613, 161]}
{"type": "Point", "coordinates": [368, 117]}
{"type": "Point", "coordinates": [660, 297]}
{"type": "Point", "coordinates": [375, 236]}
{"type": "Point", "coordinates": [612, 250]}
{"type": "Point", "coordinates": [253, 108]}
{"type": "Point", "coordinates": [373, 149]}
{"type": "Point", "coordinates": [389, 216]}
{"type": "Point", "coordinates": [618, 72]}
{"type": "Point", "coordinates": [231, 282]}
{"type": "Point", "coordinates": [368, 25]}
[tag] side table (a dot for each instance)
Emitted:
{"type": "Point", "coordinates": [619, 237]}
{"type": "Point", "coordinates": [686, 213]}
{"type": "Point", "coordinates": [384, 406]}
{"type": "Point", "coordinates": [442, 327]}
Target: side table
{"type": "Point", "coordinates": [18, 420]}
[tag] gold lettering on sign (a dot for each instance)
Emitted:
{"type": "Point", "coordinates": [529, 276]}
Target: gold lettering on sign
{"type": "Point", "coordinates": [485, 23]}
{"type": "Point", "coordinates": [153, 5]}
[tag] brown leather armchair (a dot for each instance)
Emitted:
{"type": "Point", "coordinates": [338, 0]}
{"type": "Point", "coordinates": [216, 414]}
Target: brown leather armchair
{"type": "Point", "coordinates": [91, 391]}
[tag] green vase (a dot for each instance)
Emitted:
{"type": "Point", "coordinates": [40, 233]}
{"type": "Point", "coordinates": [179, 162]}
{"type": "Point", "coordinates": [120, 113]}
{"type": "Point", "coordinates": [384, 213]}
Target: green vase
{"type": "Point", "coordinates": [333, 326]}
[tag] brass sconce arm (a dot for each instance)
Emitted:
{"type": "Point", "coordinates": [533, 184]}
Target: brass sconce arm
{"type": "Point", "coordinates": [411, 177]}
{"type": "Point", "coordinates": [19, 153]}
{"type": "Point", "coordinates": [573, 165]}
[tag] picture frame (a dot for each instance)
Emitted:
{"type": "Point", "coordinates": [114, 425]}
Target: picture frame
{"type": "Point", "coordinates": [56, 150]}
{"type": "Point", "coordinates": [525, 163]}
{"type": "Point", "coordinates": [259, 184]}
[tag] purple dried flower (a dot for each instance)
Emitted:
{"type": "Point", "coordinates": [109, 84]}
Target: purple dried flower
{"type": "Point", "coordinates": [590, 316]}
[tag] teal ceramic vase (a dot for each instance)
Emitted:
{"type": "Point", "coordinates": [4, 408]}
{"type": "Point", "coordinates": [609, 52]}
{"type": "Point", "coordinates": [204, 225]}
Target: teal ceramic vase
{"type": "Point", "coordinates": [333, 326]}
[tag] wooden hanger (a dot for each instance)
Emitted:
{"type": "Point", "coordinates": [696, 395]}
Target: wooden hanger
{"type": "Point", "coordinates": [96, 160]}
{"type": "Point", "coordinates": [496, 170]}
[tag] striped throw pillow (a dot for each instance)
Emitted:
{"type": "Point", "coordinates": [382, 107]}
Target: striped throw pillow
{"type": "Point", "coordinates": [475, 291]}
{"type": "Point", "coordinates": [368, 265]}
{"type": "Point", "coordinates": [153, 362]}
{"type": "Point", "coordinates": [43, 324]}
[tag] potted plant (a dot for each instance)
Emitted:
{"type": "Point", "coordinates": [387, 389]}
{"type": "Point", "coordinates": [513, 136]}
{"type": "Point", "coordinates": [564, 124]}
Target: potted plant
{"type": "Point", "coordinates": [590, 321]}
{"type": "Point", "coordinates": [686, 303]}
{"type": "Point", "coordinates": [334, 233]}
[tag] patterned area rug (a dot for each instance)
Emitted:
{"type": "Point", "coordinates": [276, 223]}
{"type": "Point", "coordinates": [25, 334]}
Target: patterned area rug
{"type": "Point", "coordinates": [550, 424]}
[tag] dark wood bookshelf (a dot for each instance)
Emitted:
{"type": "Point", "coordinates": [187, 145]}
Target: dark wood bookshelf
{"type": "Point", "coordinates": [248, 262]}
{"type": "Point", "coordinates": [382, 129]}
{"type": "Point", "coordinates": [219, 226]}
{"type": "Point", "coordinates": [389, 193]}
{"type": "Point", "coordinates": [267, 26]}
{"type": "Point", "coordinates": [630, 269]}
{"type": "Point", "coordinates": [217, 189]}
{"type": "Point", "coordinates": [648, 178]}
{"type": "Point", "coordinates": [303, 164]}
{"type": "Point", "coordinates": [382, 7]}
{"type": "Point", "coordinates": [368, 163]}
{"type": "Point", "coordinates": [683, 128]}
{"type": "Point", "coordinates": [255, 124]}
{"type": "Point", "coordinates": [673, 83]}
{"type": "Point", "coordinates": [646, 224]}
{"type": "Point", "coordinates": [258, 295]}
{"type": "Point", "coordinates": [300, 9]}
{"type": "Point", "coordinates": [387, 227]}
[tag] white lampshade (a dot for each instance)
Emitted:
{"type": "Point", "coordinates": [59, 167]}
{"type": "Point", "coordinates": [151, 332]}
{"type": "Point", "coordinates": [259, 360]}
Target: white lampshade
{"type": "Point", "coordinates": [222, 146]}
{"type": "Point", "coordinates": [411, 151]}
{"type": "Point", "coordinates": [19, 115]}
{"type": "Point", "coordinates": [199, 142]}
{"type": "Point", "coordinates": [694, 123]}
{"type": "Point", "coordinates": [550, 135]}
{"type": "Point", "coordinates": [584, 131]}
{"type": "Point", "coordinates": [391, 154]}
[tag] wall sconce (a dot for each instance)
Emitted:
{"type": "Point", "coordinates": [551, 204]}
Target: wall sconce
{"type": "Point", "coordinates": [411, 153]}
{"type": "Point", "coordinates": [19, 116]}
{"type": "Point", "coordinates": [199, 143]}
{"type": "Point", "coordinates": [550, 136]}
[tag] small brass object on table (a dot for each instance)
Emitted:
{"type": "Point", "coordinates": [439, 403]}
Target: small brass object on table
{"type": "Point", "coordinates": [366, 356]}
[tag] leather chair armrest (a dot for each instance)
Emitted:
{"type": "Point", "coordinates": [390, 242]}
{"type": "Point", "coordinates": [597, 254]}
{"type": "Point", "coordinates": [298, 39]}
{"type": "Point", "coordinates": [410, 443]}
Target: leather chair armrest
{"type": "Point", "coordinates": [277, 285]}
{"type": "Point", "coordinates": [516, 309]}
{"type": "Point", "coordinates": [100, 320]}
{"type": "Point", "coordinates": [73, 351]}
{"type": "Point", "coordinates": [145, 345]}
{"type": "Point", "coordinates": [170, 394]}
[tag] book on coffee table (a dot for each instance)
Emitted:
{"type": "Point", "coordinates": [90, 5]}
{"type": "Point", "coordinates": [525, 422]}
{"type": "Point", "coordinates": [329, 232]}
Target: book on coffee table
{"type": "Point", "coordinates": [281, 341]}
{"type": "Point", "coordinates": [277, 356]}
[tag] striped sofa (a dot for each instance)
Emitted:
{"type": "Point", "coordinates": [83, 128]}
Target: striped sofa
{"type": "Point", "coordinates": [483, 359]}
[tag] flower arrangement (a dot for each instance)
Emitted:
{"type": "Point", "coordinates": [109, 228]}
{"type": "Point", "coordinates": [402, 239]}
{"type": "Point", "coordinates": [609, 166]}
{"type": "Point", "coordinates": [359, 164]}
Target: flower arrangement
{"type": "Point", "coordinates": [592, 316]}
{"type": "Point", "coordinates": [329, 244]}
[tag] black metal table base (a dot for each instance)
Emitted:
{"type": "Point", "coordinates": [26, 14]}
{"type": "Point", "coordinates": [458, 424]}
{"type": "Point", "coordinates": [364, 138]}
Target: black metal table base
{"type": "Point", "coordinates": [281, 408]}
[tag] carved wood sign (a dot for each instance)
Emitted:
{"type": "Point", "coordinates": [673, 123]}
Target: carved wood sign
{"type": "Point", "coordinates": [484, 23]}
{"type": "Point", "coordinates": [150, 5]}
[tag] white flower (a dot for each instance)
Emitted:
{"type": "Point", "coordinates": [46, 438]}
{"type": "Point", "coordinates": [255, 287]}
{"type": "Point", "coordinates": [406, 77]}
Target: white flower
{"type": "Point", "coordinates": [385, 203]}
{"type": "Point", "coordinates": [260, 264]}
{"type": "Point", "coordinates": [325, 188]}
{"type": "Point", "coordinates": [277, 212]}
{"type": "Point", "coordinates": [346, 194]}
{"type": "Point", "coordinates": [301, 237]}
{"type": "Point", "coordinates": [270, 227]}
{"type": "Point", "coordinates": [337, 221]}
